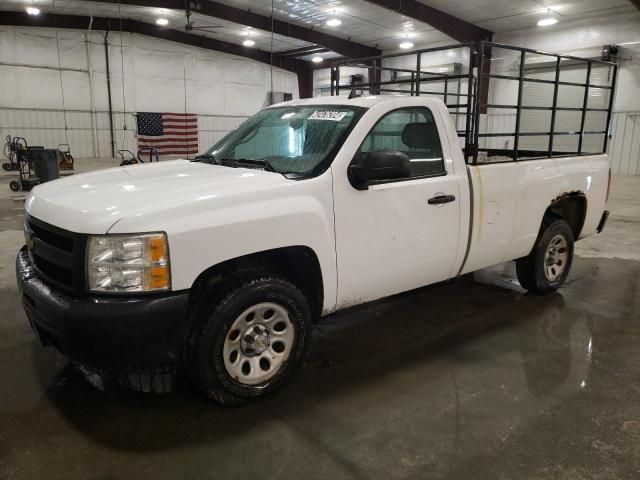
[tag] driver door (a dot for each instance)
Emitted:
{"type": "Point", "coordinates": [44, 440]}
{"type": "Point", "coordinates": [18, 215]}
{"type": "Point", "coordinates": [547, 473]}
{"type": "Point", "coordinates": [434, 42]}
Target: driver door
{"type": "Point", "coordinates": [393, 237]}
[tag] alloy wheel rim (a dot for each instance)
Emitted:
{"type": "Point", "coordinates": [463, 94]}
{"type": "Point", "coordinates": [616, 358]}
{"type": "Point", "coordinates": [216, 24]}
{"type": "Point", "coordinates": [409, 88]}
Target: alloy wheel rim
{"type": "Point", "coordinates": [258, 343]}
{"type": "Point", "coordinates": [556, 258]}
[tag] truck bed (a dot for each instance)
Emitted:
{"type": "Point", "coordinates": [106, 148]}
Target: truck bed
{"type": "Point", "coordinates": [510, 199]}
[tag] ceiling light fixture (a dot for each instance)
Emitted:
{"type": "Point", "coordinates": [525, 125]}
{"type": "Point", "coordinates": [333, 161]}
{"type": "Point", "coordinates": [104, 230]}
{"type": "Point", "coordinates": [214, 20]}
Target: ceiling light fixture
{"type": "Point", "coordinates": [317, 59]}
{"type": "Point", "coordinates": [545, 22]}
{"type": "Point", "coordinates": [163, 22]}
{"type": "Point", "coordinates": [248, 43]}
{"type": "Point", "coordinates": [334, 22]}
{"type": "Point", "coordinates": [406, 45]}
{"type": "Point", "coordinates": [33, 10]}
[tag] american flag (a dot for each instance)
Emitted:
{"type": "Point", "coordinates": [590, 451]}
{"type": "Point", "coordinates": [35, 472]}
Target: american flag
{"type": "Point", "coordinates": [169, 133]}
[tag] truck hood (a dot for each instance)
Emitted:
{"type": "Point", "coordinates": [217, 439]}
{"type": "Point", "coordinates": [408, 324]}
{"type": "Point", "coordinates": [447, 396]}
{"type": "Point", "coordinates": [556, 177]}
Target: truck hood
{"type": "Point", "coordinates": [93, 202]}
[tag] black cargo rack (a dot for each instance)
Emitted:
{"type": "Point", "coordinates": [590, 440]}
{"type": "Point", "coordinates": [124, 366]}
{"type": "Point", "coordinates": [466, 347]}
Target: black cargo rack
{"type": "Point", "coordinates": [470, 74]}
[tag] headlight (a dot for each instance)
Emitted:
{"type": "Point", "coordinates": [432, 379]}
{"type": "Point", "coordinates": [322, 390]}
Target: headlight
{"type": "Point", "coordinates": [128, 263]}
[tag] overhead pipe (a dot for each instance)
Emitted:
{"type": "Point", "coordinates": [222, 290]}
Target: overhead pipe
{"type": "Point", "coordinates": [44, 67]}
{"type": "Point", "coordinates": [94, 127]}
{"type": "Point", "coordinates": [106, 57]}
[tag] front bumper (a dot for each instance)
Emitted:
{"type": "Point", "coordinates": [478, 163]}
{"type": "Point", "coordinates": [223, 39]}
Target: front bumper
{"type": "Point", "coordinates": [138, 336]}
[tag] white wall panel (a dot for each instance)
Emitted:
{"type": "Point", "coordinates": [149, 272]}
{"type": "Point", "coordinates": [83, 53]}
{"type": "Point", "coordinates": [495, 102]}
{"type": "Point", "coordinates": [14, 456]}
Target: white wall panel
{"type": "Point", "coordinates": [624, 149]}
{"type": "Point", "coordinates": [146, 75]}
{"type": "Point", "coordinates": [47, 128]}
{"type": "Point", "coordinates": [585, 39]}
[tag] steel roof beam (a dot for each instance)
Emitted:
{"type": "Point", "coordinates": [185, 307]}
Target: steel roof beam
{"type": "Point", "coordinates": [214, 9]}
{"type": "Point", "coordinates": [454, 27]}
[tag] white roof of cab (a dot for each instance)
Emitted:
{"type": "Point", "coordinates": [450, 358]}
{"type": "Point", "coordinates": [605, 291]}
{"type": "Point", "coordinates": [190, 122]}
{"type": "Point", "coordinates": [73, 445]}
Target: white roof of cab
{"type": "Point", "coordinates": [364, 101]}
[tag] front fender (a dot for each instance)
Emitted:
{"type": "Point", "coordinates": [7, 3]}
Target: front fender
{"type": "Point", "coordinates": [207, 233]}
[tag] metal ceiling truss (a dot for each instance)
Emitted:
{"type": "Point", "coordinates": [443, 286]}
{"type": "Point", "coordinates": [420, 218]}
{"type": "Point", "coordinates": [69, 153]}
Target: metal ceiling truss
{"type": "Point", "coordinates": [298, 52]}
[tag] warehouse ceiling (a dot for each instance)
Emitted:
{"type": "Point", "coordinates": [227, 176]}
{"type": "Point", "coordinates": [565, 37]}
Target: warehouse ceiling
{"type": "Point", "coordinates": [364, 22]}
{"type": "Point", "coordinates": [371, 24]}
{"type": "Point", "coordinates": [203, 25]}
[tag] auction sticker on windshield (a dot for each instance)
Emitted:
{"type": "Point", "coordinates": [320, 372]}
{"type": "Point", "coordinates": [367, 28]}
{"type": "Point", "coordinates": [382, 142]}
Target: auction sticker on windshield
{"type": "Point", "coordinates": [327, 115]}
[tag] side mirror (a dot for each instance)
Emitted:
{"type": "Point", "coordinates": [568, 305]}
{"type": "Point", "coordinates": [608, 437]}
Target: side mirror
{"type": "Point", "coordinates": [379, 165]}
{"type": "Point", "coordinates": [296, 123]}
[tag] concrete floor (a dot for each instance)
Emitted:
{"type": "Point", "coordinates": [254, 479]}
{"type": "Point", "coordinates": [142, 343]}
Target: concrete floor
{"type": "Point", "coordinates": [468, 380]}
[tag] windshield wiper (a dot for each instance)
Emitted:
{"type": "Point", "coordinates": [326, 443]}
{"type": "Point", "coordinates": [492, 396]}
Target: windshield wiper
{"type": "Point", "coordinates": [207, 157]}
{"type": "Point", "coordinates": [250, 161]}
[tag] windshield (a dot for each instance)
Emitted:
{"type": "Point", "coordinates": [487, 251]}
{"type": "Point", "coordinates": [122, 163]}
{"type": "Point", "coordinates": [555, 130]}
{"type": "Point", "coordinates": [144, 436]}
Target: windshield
{"type": "Point", "coordinates": [288, 140]}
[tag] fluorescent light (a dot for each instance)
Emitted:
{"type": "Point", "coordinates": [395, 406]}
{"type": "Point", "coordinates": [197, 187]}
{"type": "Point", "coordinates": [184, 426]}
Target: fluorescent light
{"type": "Point", "coordinates": [545, 22]}
{"type": "Point", "coordinates": [317, 59]}
{"type": "Point", "coordinates": [162, 22]}
{"type": "Point", "coordinates": [334, 22]}
{"type": "Point", "coordinates": [405, 45]}
{"type": "Point", "coordinates": [248, 43]}
{"type": "Point", "coordinates": [33, 11]}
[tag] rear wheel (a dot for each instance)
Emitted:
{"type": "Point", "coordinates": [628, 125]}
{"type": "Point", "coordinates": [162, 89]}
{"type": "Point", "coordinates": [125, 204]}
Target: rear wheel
{"type": "Point", "coordinates": [247, 342]}
{"type": "Point", "coordinates": [546, 268]}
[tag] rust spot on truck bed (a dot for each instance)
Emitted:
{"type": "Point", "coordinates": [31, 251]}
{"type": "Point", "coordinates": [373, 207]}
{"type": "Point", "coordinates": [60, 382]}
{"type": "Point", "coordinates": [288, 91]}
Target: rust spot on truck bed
{"type": "Point", "coordinates": [572, 207]}
{"type": "Point", "coordinates": [573, 193]}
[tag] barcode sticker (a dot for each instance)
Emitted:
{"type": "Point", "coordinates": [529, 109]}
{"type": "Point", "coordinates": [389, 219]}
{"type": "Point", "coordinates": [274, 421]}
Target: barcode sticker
{"type": "Point", "coordinates": [327, 115]}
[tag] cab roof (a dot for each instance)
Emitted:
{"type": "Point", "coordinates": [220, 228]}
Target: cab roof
{"type": "Point", "coordinates": [367, 101]}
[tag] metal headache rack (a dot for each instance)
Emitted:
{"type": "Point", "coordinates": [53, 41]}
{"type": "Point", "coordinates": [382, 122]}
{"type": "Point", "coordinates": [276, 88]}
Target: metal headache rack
{"type": "Point", "coordinates": [558, 105]}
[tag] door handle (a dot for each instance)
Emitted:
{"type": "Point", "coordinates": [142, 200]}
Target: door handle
{"type": "Point", "coordinates": [440, 199]}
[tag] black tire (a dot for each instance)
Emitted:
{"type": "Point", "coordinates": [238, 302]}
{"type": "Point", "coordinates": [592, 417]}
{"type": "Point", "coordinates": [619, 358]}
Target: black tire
{"type": "Point", "coordinates": [14, 185]}
{"type": "Point", "coordinates": [7, 166]}
{"type": "Point", "coordinates": [531, 269]}
{"type": "Point", "coordinates": [210, 323]}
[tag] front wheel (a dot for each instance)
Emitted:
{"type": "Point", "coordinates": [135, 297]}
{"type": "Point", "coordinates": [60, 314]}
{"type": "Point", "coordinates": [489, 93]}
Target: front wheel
{"type": "Point", "coordinates": [247, 342]}
{"type": "Point", "coordinates": [14, 185]}
{"type": "Point", "coordinates": [546, 268]}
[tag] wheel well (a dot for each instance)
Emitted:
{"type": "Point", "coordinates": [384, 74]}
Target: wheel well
{"type": "Point", "coordinates": [297, 264]}
{"type": "Point", "coordinates": [572, 208]}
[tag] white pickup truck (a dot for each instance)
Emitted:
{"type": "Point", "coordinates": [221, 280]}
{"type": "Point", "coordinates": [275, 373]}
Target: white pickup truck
{"type": "Point", "coordinates": [223, 264]}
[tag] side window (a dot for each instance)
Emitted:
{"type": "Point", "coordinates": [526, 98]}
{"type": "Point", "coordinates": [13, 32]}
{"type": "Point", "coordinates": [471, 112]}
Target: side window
{"type": "Point", "coordinates": [413, 132]}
